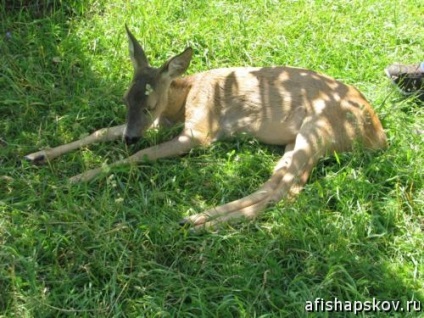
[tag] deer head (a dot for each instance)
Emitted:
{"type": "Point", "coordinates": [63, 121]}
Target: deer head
{"type": "Point", "coordinates": [147, 96]}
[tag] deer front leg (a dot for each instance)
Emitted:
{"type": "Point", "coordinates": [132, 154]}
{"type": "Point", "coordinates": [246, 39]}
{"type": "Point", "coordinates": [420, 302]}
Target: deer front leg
{"type": "Point", "coordinates": [175, 147]}
{"type": "Point", "coordinates": [105, 134]}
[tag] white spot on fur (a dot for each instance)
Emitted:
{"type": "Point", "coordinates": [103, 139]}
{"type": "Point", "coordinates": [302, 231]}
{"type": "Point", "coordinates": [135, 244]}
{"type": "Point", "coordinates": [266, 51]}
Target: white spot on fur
{"type": "Point", "coordinates": [149, 89]}
{"type": "Point", "coordinates": [319, 106]}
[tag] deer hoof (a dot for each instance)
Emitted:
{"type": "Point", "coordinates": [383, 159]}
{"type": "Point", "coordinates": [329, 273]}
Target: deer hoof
{"type": "Point", "coordinates": [37, 158]}
{"type": "Point", "coordinates": [185, 223]}
{"type": "Point", "coordinates": [196, 229]}
{"type": "Point", "coordinates": [194, 220]}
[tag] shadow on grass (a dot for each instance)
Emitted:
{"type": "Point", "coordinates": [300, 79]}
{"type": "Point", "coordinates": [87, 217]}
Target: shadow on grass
{"type": "Point", "coordinates": [108, 247]}
{"type": "Point", "coordinates": [45, 76]}
{"type": "Point", "coordinates": [308, 256]}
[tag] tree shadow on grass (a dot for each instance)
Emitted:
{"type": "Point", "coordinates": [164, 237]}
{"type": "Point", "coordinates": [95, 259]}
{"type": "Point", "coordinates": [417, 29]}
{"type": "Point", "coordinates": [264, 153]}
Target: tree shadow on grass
{"type": "Point", "coordinates": [48, 90]}
{"type": "Point", "coordinates": [93, 252]}
{"type": "Point", "coordinates": [308, 251]}
{"type": "Point", "coordinates": [48, 80]}
{"type": "Point", "coordinates": [320, 247]}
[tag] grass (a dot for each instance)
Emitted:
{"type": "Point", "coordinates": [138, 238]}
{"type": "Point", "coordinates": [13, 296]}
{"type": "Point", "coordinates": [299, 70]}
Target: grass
{"type": "Point", "coordinates": [112, 248]}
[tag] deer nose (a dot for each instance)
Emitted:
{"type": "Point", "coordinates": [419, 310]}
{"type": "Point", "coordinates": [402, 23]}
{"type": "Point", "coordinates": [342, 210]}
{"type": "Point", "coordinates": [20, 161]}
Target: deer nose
{"type": "Point", "coordinates": [131, 140]}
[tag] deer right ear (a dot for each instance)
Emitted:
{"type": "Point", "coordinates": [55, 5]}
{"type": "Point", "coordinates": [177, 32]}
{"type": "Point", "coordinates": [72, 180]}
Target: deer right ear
{"type": "Point", "coordinates": [137, 55]}
{"type": "Point", "coordinates": [178, 64]}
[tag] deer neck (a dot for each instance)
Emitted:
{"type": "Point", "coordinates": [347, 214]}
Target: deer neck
{"type": "Point", "coordinates": [177, 95]}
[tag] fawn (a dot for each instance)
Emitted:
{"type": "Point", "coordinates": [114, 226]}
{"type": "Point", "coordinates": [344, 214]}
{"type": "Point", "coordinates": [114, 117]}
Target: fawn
{"type": "Point", "coordinates": [309, 113]}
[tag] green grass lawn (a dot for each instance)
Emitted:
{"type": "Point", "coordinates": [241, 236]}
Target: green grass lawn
{"type": "Point", "coordinates": [113, 247]}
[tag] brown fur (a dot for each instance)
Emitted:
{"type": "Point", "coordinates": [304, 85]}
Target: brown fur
{"type": "Point", "coordinates": [311, 114]}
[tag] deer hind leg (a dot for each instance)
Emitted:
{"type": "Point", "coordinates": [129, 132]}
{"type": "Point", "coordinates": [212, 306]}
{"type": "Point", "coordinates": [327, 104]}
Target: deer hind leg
{"type": "Point", "coordinates": [175, 147]}
{"type": "Point", "coordinates": [101, 135]}
{"type": "Point", "coordinates": [288, 178]}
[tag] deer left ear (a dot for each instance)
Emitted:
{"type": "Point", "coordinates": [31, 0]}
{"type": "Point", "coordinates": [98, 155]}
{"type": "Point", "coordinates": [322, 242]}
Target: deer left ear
{"type": "Point", "coordinates": [137, 55]}
{"type": "Point", "coordinates": [177, 65]}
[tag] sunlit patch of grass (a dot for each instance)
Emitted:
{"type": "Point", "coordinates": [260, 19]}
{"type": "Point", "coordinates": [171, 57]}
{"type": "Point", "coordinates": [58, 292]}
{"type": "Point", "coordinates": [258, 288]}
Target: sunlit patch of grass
{"type": "Point", "coordinates": [112, 247]}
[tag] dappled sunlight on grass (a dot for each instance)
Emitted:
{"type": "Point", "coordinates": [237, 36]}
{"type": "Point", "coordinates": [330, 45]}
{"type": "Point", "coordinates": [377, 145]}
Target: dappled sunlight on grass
{"type": "Point", "coordinates": [113, 246]}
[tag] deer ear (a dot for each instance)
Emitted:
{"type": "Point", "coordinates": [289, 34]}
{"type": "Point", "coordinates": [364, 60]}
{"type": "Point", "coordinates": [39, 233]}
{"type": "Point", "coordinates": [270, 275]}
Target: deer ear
{"type": "Point", "coordinates": [137, 55]}
{"type": "Point", "coordinates": [177, 65]}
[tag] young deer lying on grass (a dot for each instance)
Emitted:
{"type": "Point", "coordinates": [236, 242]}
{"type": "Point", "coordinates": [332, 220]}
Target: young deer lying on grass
{"type": "Point", "coordinates": [309, 113]}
